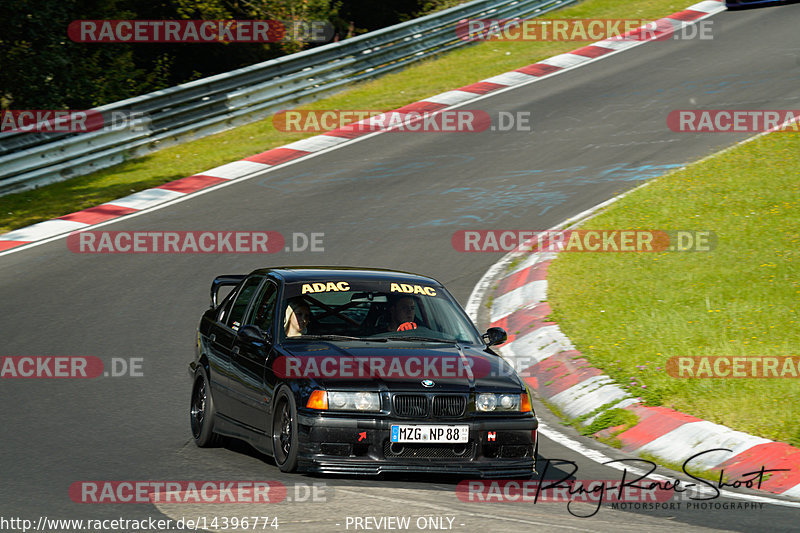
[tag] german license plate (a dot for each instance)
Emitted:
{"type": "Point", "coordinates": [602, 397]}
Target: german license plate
{"type": "Point", "coordinates": [430, 433]}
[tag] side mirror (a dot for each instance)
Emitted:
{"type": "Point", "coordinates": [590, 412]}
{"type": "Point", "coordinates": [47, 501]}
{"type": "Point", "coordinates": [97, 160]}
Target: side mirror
{"type": "Point", "coordinates": [252, 333]}
{"type": "Point", "coordinates": [494, 336]}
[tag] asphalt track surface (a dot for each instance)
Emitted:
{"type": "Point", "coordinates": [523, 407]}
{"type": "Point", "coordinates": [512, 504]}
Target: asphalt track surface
{"type": "Point", "coordinates": [393, 200]}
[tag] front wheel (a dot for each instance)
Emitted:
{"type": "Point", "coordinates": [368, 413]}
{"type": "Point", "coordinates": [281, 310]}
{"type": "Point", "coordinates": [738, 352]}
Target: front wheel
{"type": "Point", "coordinates": [202, 412]}
{"type": "Point", "coordinates": [284, 431]}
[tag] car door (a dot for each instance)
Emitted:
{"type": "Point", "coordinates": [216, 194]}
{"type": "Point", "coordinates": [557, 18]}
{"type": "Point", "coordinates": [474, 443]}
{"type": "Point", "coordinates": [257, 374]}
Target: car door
{"type": "Point", "coordinates": [222, 343]}
{"type": "Point", "coordinates": [250, 353]}
{"type": "Point", "coordinates": [212, 329]}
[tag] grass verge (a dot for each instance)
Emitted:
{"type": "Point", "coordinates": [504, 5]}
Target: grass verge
{"type": "Point", "coordinates": [455, 69]}
{"type": "Point", "coordinates": [628, 313]}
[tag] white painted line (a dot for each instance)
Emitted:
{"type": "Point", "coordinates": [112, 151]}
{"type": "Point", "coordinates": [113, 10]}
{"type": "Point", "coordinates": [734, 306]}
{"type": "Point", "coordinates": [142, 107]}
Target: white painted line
{"type": "Point", "coordinates": [510, 79]}
{"type": "Point", "coordinates": [521, 297]}
{"type": "Point", "coordinates": [146, 198]}
{"type": "Point", "coordinates": [234, 170]}
{"type": "Point", "coordinates": [695, 437]}
{"type": "Point", "coordinates": [451, 97]}
{"type": "Point", "coordinates": [316, 143]}
{"type": "Point", "coordinates": [615, 44]}
{"type": "Point", "coordinates": [565, 60]}
{"type": "Point", "coordinates": [794, 492]}
{"type": "Point", "coordinates": [708, 6]}
{"type": "Point", "coordinates": [43, 230]}
{"type": "Point", "coordinates": [587, 396]}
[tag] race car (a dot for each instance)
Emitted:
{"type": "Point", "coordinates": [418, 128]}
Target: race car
{"type": "Point", "coordinates": [357, 371]}
{"type": "Point", "coordinates": [745, 4]}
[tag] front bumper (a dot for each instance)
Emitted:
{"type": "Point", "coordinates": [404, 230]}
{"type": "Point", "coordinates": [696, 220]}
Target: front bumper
{"type": "Point", "coordinates": [497, 448]}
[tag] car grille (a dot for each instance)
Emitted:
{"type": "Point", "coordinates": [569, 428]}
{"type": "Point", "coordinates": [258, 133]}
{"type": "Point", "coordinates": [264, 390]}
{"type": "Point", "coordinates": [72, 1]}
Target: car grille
{"type": "Point", "coordinates": [415, 405]}
{"type": "Point", "coordinates": [429, 451]}
{"type": "Point", "coordinates": [419, 405]}
{"type": "Point", "coordinates": [449, 406]}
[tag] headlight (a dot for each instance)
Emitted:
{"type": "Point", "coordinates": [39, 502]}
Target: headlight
{"type": "Point", "coordinates": [347, 401]}
{"type": "Point", "coordinates": [338, 400]}
{"type": "Point", "coordinates": [486, 402]}
{"type": "Point", "coordinates": [367, 401]}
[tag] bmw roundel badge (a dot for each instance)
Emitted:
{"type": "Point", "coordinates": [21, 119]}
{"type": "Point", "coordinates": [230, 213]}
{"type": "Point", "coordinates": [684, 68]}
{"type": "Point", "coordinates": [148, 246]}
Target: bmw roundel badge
{"type": "Point", "coordinates": [428, 383]}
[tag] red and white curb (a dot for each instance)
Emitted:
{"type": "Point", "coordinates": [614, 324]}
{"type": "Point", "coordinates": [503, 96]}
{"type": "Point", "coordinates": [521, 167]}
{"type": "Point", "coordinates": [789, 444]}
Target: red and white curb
{"type": "Point", "coordinates": [559, 373]}
{"type": "Point", "coordinates": [169, 193]}
{"type": "Point", "coordinates": [133, 203]}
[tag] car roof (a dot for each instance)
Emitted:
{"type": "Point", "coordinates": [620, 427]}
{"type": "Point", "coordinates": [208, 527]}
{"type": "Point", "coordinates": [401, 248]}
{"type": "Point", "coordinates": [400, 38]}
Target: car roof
{"type": "Point", "coordinates": [325, 273]}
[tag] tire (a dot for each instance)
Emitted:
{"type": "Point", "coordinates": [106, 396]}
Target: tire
{"type": "Point", "coordinates": [284, 431]}
{"type": "Point", "coordinates": [202, 412]}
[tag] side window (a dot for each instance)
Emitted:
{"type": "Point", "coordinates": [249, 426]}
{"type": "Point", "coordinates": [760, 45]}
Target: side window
{"type": "Point", "coordinates": [225, 308]}
{"type": "Point", "coordinates": [236, 315]}
{"type": "Point", "coordinates": [263, 311]}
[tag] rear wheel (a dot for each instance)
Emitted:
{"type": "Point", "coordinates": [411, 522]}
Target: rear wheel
{"type": "Point", "coordinates": [284, 431]}
{"type": "Point", "coordinates": [202, 412]}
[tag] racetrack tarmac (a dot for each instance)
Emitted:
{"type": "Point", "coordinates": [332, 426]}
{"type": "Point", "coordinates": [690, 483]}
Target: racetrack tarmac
{"type": "Point", "coordinates": [393, 201]}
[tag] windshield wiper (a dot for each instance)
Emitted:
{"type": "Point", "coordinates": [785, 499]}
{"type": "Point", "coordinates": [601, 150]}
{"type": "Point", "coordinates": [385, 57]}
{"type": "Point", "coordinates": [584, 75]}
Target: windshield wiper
{"type": "Point", "coordinates": [425, 339]}
{"type": "Point", "coordinates": [337, 338]}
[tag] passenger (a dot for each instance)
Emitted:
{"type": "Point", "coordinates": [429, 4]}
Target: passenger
{"type": "Point", "coordinates": [298, 315]}
{"type": "Point", "coordinates": [402, 313]}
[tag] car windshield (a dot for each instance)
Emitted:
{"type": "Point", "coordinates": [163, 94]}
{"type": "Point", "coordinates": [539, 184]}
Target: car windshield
{"type": "Point", "coordinates": [374, 310]}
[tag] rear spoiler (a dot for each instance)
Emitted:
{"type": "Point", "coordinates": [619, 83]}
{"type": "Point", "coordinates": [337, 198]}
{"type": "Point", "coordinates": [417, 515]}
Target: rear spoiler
{"type": "Point", "coordinates": [228, 280]}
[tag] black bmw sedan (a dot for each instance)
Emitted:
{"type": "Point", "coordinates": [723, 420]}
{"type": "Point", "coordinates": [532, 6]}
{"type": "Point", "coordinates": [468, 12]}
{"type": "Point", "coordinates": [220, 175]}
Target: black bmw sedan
{"type": "Point", "coordinates": [357, 371]}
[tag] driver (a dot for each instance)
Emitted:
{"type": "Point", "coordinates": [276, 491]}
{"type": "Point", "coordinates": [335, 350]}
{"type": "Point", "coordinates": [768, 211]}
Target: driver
{"type": "Point", "coordinates": [401, 314]}
{"type": "Point", "coordinates": [298, 315]}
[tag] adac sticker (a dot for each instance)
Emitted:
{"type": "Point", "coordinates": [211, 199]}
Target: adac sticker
{"type": "Point", "coordinates": [331, 286]}
{"type": "Point", "coordinates": [412, 289]}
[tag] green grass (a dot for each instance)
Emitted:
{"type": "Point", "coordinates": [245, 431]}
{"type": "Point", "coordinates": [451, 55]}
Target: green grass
{"type": "Point", "coordinates": [628, 313]}
{"type": "Point", "coordinates": [455, 69]}
{"type": "Point", "coordinates": [611, 418]}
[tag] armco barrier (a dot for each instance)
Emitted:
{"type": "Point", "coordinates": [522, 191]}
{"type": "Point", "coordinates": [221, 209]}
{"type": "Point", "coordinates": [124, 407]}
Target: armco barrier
{"type": "Point", "coordinates": [216, 103]}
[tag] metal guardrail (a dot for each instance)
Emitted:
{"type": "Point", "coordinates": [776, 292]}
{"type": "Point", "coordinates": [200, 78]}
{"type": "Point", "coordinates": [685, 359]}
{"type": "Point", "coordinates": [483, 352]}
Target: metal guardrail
{"type": "Point", "coordinates": [216, 103]}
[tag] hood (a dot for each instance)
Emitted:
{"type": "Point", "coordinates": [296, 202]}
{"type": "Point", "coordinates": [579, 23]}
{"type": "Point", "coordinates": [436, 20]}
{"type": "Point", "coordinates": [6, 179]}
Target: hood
{"type": "Point", "coordinates": [397, 366]}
